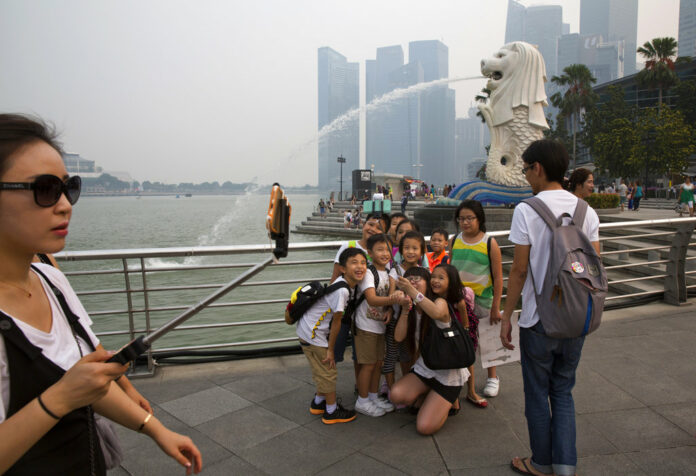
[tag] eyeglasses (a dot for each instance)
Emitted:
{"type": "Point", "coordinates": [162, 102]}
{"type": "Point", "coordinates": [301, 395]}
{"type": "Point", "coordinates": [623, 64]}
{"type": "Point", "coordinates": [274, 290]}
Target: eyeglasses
{"type": "Point", "coordinates": [465, 219]}
{"type": "Point", "coordinates": [530, 166]}
{"type": "Point", "coordinates": [414, 279]}
{"type": "Point", "coordinates": [48, 189]}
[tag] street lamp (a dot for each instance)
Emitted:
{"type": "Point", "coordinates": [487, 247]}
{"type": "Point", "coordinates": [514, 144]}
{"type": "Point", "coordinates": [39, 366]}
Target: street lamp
{"type": "Point", "coordinates": [341, 160]}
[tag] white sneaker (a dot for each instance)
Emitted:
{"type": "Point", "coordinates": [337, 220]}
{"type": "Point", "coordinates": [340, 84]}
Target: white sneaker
{"type": "Point", "coordinates": [370, 408]}
{"type": "Point", "coordinates": [385, 404]}
{"type": "Point", "coordinates": [492, 387]}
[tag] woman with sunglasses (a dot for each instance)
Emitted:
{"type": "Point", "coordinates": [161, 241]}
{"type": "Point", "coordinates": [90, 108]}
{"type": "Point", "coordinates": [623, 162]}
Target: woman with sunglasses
{"type": "Point", "coordinates": [51, 377]}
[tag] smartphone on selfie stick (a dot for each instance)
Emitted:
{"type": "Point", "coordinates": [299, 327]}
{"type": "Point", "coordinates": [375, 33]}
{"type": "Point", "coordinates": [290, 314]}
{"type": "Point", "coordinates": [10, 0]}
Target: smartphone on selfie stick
{"type": "Point", "coordinates": [278, 226]}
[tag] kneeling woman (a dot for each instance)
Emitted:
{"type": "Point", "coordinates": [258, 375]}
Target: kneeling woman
{"type": "Point", "coordinates": [53, 373]}
{"type": "Point", "coordinates": [433, 298]}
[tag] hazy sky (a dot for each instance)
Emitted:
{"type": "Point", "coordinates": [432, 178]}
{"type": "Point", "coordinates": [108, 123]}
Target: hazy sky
{"type": "Point", "coordinates": [205, 90]}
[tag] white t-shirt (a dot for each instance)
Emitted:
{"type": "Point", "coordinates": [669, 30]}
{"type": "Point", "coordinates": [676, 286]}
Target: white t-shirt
{"type": "Point", "coordinates": [378, 196]}
{"type": "Point", "coordinates": [369, 318]}
{"type": "Point", "coordinates": [528, 228]}
{"type": "Point", "coordinates": [449, 377]}
{"type": "Point", "coordinates": [622, 190]}
{"type": "Point", "coordinates": [345, 246]}
{"type": "Point", "coordinates": [59, 344]}
{"type": "Point", "coordinates": [314, 326]}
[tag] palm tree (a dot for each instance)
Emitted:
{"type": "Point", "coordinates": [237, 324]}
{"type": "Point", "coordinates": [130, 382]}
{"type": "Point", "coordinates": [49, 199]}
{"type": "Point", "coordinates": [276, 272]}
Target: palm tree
{"type": "Point", "coordinates": [577, 98]}
{"type": "Point", "coordinates": [659, 65]}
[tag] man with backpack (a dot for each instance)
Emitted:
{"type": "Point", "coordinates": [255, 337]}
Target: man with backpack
{"type": "Point", "coordinates": [561, 302]}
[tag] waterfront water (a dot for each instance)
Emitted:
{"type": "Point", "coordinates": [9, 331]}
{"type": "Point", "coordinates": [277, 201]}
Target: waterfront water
{"type": "Point", "coordinates": [154, 222]}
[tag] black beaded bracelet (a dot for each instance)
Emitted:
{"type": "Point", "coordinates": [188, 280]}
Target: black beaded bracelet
{"type": "Point", "coordinates": [49, 412]}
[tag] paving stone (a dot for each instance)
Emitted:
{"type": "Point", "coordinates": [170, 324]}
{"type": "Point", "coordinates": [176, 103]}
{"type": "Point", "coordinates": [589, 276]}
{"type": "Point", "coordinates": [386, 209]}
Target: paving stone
{"type": "Point", "coordinates": [298, 451]}
{"type": "Point", "coordinates": [639, 429]}
{"type": "Point", "coordinates": [682, 414]}
{"type": "Point", "coordinates": [232, 465]}
{"type": "Point", "coordinates": [258, 388]}
{"type": "Point", "coordinates": [497, 470]}
{"type": "Point", "coordinates": [594, 393]}
{"type": "Point", "coordinates": [607, 465]}
{"type": "Point", "coordinates": [246, 428]}
{"type": "Point", "coordinates": [408, 451]}
{"type": "Point", "coordinates": [589, 441]}
{"type": "Point", "coordinates": [359, 465]}
{"type": "Point", "coordinates": [293, 405]}
{"type": "Point", "coordinates": [204, 406]}
{"type": "Point", "coordinates": [159, 390]}
{"type": "Point", "coordinates": [666, 461]}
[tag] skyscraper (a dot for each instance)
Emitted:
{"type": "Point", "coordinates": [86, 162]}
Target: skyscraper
{"type": "Point", "coordinates": [615, 20]}
{"type": "Point", "coordinates": [540, 26]}
{"type": "Point", "coordinates": [338, 92]}
{"type": "Point", "coordinates": [687, 28]}
{"type": "Point", "coordinates": [514, 26]}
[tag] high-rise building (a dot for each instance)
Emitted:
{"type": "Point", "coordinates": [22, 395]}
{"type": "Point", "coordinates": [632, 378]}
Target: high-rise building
{"type": "Point", "coordinates": [687, 28]}
{"type": "Point", "coordinates": [615, 21]}
{"type": "Point", "coordinates": [540, 26]}
{"type": "Point", "coordinates": [604, 60]}
{"type": "Point", "coordinates": [472, 137]}
{"type": "Point", "coordinates": [338, 93]}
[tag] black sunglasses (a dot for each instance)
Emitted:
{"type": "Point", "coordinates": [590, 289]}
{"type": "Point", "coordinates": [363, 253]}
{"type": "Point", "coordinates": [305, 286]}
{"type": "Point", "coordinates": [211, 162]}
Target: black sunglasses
{"type": "Point", "coordinates": [48, 189]}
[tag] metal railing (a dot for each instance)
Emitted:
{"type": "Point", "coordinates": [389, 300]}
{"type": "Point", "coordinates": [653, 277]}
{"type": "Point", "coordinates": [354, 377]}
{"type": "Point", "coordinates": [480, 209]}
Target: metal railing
{"type": "Point", "coordinates": [103, 278]}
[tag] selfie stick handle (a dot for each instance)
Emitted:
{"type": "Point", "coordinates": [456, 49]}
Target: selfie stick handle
{"type": "Point", "coordinates": [141, 344]}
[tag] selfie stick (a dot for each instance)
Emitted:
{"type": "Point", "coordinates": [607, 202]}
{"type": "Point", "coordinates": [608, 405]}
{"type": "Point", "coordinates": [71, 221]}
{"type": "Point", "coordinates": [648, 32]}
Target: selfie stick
{"type": "Point", "coordinates": [278, 224]}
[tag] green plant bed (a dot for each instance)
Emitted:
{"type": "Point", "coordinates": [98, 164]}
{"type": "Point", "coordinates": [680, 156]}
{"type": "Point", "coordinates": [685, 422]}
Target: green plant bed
{"type": "Point", "coordinates": [603, 200]}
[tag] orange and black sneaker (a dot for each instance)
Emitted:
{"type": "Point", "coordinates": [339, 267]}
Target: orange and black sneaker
{"type": "Point", "coordinates": [317, 408]}
{"type": "Point", "coordinates": [340, 415]}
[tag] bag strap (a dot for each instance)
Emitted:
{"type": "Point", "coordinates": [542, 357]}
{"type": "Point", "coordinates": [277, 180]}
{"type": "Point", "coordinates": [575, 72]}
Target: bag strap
{"type": "Point", "coordinates": [580, 212]}
{"type": "Point", "coordinates": [543, 211]}
{"type": "Point", "coordinates": [488, 251]}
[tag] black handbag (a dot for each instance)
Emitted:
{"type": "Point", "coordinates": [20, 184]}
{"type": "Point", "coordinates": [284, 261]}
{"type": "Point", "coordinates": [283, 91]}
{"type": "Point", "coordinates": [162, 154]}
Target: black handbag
{"type": "Point", "coordinates": [449, 348]}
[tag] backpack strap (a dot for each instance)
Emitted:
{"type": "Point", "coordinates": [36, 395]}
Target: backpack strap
{"type": "Point", "coordinates": [543, 211]}
{"type": "Point", "coordinates": [580, 212]}
{"type": "Point", "coordinates": [488, 252]}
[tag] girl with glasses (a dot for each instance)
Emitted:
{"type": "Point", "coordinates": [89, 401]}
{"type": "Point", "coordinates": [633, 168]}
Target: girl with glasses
{"type": "Point", "coordinates": [478, 259]}
{"type": "Point", "coordinates": [53, 374]}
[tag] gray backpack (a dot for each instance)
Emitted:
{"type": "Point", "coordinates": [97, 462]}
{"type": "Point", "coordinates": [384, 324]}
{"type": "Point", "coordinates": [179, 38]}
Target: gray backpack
{"type": "Point", "coordinates": [572, 298]}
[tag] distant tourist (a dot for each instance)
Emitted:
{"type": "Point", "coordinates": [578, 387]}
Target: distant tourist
{"type": "Point", "coordinates": [322, 208]}
{"type": "Point", "coordinates": [404, 202]}
{"type": "Point", "coordinates": [581, 183]}
{"type": "Point", "coordinates": [687, 196]}
{"type": "Point", "coordinates": [438, 245]}
{"type": "Point", "coordinates": [548, 364]}
{"type": "Point", "coordinates": [637, 196]}
{"type": "Point", "coordinates": [623, 192]}
{"type": "Point", "coordinates": [347, 219]}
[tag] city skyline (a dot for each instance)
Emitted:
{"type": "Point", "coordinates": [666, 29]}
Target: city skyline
{"type": "Point", "coordinates": [189, 92]}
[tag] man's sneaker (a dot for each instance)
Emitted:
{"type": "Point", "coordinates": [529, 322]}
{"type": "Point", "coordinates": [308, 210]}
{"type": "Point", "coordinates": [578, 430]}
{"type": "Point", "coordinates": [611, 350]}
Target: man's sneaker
{"type": "Point", "coordinates": [492, 387]}
{"type": "Point", "coordinates": [317, 409]}
{"type": "Point", "coordinates": [385, 404]}
{"type": "Point", "coordinates": [340, 415]}
{"type": "Point", "coordinates": [370, 408]}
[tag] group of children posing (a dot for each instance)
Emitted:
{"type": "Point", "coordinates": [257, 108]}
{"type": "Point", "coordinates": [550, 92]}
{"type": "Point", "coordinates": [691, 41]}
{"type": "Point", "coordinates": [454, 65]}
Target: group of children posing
{"type": "Point", "coordinates": [395, 290]}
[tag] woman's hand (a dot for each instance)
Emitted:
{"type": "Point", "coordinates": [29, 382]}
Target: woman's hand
{"type": "Point", "coordinates": [406, 286]}
{"type": "Point", "coordinates": [179, 447]}
{"type": "Point", "coordinates": [84, 383]}
{"type": "Point", "coordinates": [495, 316]}
{"type": "Point", "coordinates": [134, 395]}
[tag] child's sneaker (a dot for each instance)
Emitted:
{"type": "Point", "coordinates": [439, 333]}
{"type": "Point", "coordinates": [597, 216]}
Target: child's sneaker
{"type": "Point", "coordinates": [492, 387]}
{"type": "Point", "coordinates": [384, 389]}
{"type": "Point", "coordinates": [317, 408]}
{"type": "Point", "coordinates": [340, 415]}
{"type": "Point", "coordinates": [385, 404]}
{"type": "Point", "coordinates": [370, 408]}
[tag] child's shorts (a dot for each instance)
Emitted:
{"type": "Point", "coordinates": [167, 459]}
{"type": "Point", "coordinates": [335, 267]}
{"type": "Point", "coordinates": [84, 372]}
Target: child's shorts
{"type": "Point", "coordinates": [324, 377]}
{"type": "Point", "coordinates": [369, 347]}
{"type": "Point", "coordinates": [445, 391]}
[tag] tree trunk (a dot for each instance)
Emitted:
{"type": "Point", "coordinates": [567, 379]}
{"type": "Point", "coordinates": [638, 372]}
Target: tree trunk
{"type": "Point", "coordinates": [574, 134]}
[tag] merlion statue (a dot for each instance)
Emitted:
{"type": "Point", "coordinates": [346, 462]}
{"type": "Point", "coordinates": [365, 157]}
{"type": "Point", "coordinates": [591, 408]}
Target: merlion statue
{"type": "Point", "coordinates": [515, 110]}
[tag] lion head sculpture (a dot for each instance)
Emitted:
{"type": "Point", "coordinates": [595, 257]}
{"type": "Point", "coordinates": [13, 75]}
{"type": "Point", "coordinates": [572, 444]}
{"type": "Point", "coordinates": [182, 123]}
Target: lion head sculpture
{"type": "Point", "coordinates": [514, 112]}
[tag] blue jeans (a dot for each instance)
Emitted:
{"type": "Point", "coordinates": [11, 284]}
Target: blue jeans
{"type": "Point", "coordinates": [548, 371]}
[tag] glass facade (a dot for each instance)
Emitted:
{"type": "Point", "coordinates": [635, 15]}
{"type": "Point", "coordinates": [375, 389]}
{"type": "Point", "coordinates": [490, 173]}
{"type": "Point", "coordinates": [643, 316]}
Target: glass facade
{"type": "Point", "coordinates": [687, 28]}
{"type": "Point", "coordinates": [615, 21]}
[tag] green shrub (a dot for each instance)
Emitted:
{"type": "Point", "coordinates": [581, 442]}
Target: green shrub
{"type": "Point", "coordinates": [603, 200]}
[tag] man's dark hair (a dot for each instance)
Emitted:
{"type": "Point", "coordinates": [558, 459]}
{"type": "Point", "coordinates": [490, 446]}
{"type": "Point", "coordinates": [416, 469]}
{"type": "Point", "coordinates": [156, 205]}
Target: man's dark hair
{"type": "Point", "coordinates": [379, 238]}
{"type": "Point", "coordinates": [17, 130]}
{"type": "Point", "coordinates": [349, 253]}
{"type": "Point", "coordinates": [439, 231]}
{"type": "Point", "coordinates": [397, 215]}
{"type": "Point", "coordinates": [476, 207]}
{"type": "Point", "coordinates": [551, 155]}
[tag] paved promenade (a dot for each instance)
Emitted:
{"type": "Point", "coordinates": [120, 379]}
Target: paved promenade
{"type": "Point", "coordinates": [635, 401]}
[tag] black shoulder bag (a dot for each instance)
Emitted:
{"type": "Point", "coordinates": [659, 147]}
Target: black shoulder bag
{"type": "Point", "coordinates": [448, 348]}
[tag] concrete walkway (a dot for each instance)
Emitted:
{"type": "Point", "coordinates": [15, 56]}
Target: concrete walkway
{"type": "Point", "coordinates": [635, 401]}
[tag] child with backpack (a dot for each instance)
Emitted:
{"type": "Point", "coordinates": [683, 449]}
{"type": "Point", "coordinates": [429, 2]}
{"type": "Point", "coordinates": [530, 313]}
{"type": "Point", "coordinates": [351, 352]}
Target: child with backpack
{"type": "Point", "coordinates": [438, 245]}
{"type": "Point", "coordinates": [317, 330]}
{"type": "Point", "coordinates": [477, 257]}
{"type": "Point", "coordinates": [373, 311]}
{"type": "Point", "coordinates": [433, 297]}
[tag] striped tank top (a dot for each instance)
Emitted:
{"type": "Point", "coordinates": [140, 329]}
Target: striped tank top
{"type": "Point", "coordinates": [473, 264]}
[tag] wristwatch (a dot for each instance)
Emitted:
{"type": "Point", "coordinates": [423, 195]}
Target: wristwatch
{"type": "Point", "coordinates": [419, 298]}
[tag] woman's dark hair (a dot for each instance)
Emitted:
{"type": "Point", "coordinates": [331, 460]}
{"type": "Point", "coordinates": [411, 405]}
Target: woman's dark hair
{"type": "Point", "coordinates": [476, 207]}
{"type": "Point", "coordinates": [17, 130]}
{"type": "Point", "coordinates": [578, 177]}
{"type": "Point", "coordinates": [551, 155]}
{"type": "Point", "coordinates": [414, 225]}
{"type": "Point", "coordinates": [455, 289]}
{"type": "Point", "coordinates": [378, 238]}
{"type": "Point", "coordinates": [424, 274]}
{"type": "Point", "coordinates": [397, 215]}
{"type": "Point", "coordinates": [415, 235]}
{"type": "Point", "coordinates": [637, 183]}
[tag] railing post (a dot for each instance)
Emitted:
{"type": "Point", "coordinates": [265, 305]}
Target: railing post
{"type": "Point", "coordinates": [675, 282]}
{"type": "Point", "coordinates": [148, 328]}
{"type": "Point", "coordinates": [129, 299]}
